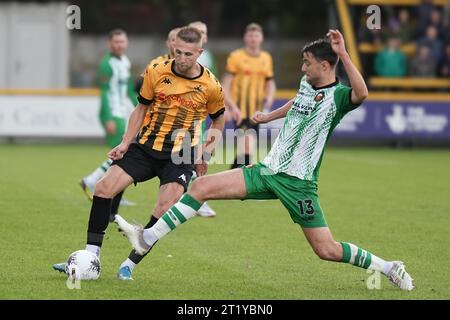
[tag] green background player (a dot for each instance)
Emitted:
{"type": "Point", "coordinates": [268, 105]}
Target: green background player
{"type": "Point", "coordinates": [290, 171]}
{"type": "Point", "coordinates": [114, 79]}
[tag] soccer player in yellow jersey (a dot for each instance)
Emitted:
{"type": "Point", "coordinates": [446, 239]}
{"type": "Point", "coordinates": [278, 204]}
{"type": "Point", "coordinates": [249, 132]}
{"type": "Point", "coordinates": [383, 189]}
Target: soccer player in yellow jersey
{"type": "Point", "coordinates": [175, 98]}
{"type": "Point", "coordinates": [249, 86]}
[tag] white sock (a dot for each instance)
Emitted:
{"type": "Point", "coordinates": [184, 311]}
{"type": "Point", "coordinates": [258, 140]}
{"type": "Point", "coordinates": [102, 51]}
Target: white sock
{"type": "Point", "coordinates": [364, 259]}
{"type": "Point", "coordinates": [387, 267]}
{"type": "Point", "coordinates": [92, 179]}
{"type": "Point", "coordinates": [176, 215]}
{"type": "Point", "coordinates": [128, 263]}
{"type": "Point", "coordinates": [93, 249]}
{"type": "Point", "coordinates": [149, 236]}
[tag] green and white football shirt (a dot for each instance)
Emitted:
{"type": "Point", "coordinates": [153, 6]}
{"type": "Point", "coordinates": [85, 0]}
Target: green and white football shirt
{"type": "Point", "coordinates": [115, 85]}
{"type": "Point", "coordinates": [299, 147]}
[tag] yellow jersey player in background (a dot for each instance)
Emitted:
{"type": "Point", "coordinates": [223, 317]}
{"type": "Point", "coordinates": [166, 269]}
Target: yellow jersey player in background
{"type": "Point", "coordinates": [249, 86]}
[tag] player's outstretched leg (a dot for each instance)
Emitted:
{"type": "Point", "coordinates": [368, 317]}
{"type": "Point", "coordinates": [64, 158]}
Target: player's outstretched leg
{"type": "Point", "coordinates": [224, 185]}
{"type": "Point", "coordinates": [327, 248]}
{"type": "Point", "coordinates": [205, 210]}
{"type": "Point", "coordinates": [142, 239]}
{"type": "Point", "coordinates": [394, 270]}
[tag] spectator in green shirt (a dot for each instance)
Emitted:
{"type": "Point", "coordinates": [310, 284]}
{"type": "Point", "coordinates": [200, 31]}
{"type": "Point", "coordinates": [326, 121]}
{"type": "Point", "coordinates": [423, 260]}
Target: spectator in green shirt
{"type": "Point", "coordinates": [391, 62]}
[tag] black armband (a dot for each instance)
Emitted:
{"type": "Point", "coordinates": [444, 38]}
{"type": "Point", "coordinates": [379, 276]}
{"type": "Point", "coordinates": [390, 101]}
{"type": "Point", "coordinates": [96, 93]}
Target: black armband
{"type": "Point", "coordinates": [217, 114]}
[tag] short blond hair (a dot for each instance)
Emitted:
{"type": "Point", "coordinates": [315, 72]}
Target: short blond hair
{"type": "Point", "coordinates": [190, 35]}
{"type": "Point", "coordinates": [197, 24]}
{"type": "Point", "coordinates": [253, 27]}
{"type": "Point", "coordinates": [173, 33]}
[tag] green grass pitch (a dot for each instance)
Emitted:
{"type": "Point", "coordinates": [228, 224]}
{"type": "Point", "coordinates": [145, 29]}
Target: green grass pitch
{"type": "Point", "coordinates": [394, 203]}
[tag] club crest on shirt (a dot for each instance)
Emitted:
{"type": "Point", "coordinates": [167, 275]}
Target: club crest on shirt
{"type": "Point", "coordinates": [319, 96]}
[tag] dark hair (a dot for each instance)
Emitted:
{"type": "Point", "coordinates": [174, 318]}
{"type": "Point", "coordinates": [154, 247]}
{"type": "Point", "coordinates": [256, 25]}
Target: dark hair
{"type": "Point", "coordinates": [189, 35]}
{"type": "Point", "coordinates": [321, 50]}
{"type": "Point", "coordinates": [116, 32]}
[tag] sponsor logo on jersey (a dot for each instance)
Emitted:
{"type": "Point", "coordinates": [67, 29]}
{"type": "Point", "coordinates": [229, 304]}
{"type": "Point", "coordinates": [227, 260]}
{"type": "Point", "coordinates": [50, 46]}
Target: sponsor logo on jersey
{"type": "Point", "coordinates": [182, 101]}
{"type": "Point", "coordinates": [319, 96]}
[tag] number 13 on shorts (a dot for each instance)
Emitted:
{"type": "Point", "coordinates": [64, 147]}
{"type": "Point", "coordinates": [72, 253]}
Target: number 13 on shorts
{"type": "Point", "coordinates": [306, 207]}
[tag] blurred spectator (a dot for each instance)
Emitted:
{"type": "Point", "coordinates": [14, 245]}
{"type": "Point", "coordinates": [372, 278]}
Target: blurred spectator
{"type": "Point", "coordinates": [446, 22]}
{"type": "Point", "coordinates": [436, 21]}
{"type": "Point", "coordinates": [391, 62]}
{"type": "Point", "coordinates": [447, 35]}
{"type": "Point", "coordinates": [446, 15]}
{"type": "Point", "coordinates": [375, 36]}
{"type": "Point", "coordinates": [433, 42]}
{"type": "Point", "coordinates": [405, 27]}
{"type": "Point", "coordinates": [422, 65]}
{"type": "Point", "coordinates": [444, 67]}
{"type": "Point", "coordinates": [423, 15]}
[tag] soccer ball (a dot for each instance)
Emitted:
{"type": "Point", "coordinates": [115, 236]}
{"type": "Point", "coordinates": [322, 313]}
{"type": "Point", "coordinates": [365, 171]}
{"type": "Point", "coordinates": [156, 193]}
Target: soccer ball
{"type": "Point", "coordinates": [83, 265]}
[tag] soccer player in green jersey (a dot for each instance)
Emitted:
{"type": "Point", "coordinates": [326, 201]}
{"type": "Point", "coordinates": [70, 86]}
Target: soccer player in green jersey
{"type": "Point", "coordinates": [290, 170]}
{"type": "Point", "coordinates": [115, 86]}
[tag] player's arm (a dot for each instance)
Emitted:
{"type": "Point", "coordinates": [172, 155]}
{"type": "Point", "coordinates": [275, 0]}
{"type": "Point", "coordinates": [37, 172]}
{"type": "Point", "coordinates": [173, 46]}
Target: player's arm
{"type": "Point", "coordinates": [213, 138]}
{"type": "Point", "coordinates": [231, 105]}
{"type": "Point", "coordinates": [214, 133]}
{"type": "Point", "coordinates": [134, 125]}
{"type": "Point", "coordinates": [270, 90]}
{"type": "Point", "coordinates": [104, 74]}
{"type": "Point", "coordinates": [270, 87]}
{"type": "Point", "coordinates": [145, 100]}
{"type": "Point", "coordinates": [131, 92]}
{"type": "Point", "coordinates": [260, 117]}
{"type": "Point", "coordinates": [226, 85]}
{"type": "Point", "coordinates": [216, 109]}
{"type": "Point", "coordinates": [359, 88]}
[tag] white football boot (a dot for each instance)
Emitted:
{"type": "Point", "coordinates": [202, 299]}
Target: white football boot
{"type": "Point", "coordinates": [206, 211]}
{"type": "Point", "coordinates": [134, 234]}
{"type": "Point", "coordinates": [399, 277]}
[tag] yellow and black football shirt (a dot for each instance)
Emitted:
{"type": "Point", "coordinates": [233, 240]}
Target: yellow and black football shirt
{"type": "Point", "coordinates": [178, 107]}
{"type": "Point", "coordinates": [156, 60]}
{"type": "Point", "coordinates": [250, 76]}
